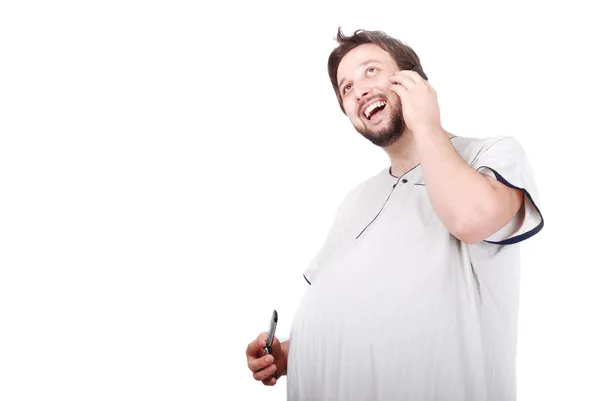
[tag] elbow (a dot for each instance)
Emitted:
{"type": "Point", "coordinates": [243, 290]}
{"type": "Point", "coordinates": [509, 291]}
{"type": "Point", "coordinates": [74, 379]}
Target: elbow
{"type": "Point", "coordinates": [472, 228]}
{"type": "Point", "coordinates": [465, 235]}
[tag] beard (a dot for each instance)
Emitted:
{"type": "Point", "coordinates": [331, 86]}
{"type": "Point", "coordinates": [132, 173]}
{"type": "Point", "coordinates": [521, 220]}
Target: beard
{"type": "Point", "coordinates": [388, 134]}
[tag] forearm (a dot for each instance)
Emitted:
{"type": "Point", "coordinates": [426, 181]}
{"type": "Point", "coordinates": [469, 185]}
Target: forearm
{"type": "Point", "coordinates": [458, 193]}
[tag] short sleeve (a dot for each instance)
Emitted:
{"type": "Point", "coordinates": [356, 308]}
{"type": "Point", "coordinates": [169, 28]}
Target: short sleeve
{"type": "Point", "coordinates": [505, 159]}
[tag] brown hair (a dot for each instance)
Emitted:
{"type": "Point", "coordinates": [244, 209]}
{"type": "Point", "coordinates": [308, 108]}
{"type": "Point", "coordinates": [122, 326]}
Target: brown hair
{"type": "Point", "coordinates": [405, 57]}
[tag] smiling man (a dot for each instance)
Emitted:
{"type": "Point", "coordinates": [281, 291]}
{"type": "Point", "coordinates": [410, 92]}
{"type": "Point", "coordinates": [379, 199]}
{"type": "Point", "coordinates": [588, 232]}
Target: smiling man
{"type": "Point", "coordinates": [414, 295]}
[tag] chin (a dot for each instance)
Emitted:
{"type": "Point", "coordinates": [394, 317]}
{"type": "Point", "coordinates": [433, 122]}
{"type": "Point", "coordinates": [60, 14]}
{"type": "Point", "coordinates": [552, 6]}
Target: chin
{"type": "Point", "coordinates": [384, 134]}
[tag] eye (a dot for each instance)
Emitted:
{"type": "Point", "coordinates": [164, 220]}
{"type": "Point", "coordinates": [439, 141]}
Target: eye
{"type": "Point", "coordinates": [371, 70]}
{"type": "Point", "coordinates": [346, 88]}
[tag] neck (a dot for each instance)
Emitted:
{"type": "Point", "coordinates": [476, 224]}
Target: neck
{"type": "Point", "coordinates": [403, 153]}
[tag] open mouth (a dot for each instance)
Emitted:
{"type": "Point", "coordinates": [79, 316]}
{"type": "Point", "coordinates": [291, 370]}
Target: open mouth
{"type": "Point", "coordinates": [374, 108]}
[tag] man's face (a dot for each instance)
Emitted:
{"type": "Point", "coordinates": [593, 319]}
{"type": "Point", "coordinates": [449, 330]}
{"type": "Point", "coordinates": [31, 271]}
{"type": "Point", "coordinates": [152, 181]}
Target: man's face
{"type": "Point", "coordinates": [364, 85]}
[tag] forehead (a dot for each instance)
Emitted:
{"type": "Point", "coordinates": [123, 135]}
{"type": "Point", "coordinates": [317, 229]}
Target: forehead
{"type": "Point", "coordinates": [361, 54]}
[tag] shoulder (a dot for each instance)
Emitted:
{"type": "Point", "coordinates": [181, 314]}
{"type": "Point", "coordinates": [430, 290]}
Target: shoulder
{"type": "Point", "coordinates": [363, 188]}
{"type": "Point", "coordinates": [471, 149]}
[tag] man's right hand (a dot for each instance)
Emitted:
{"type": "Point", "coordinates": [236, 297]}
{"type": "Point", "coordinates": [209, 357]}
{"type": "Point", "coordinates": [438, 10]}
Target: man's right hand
{"type": "Point", "coordinates": [264, 365]}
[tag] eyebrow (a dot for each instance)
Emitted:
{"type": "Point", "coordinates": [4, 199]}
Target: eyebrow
{"type": "Point", "coordinates": [341, 84]}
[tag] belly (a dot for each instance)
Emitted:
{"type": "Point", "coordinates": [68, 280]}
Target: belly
{"type": "Point", "coordinates": [371, 330]}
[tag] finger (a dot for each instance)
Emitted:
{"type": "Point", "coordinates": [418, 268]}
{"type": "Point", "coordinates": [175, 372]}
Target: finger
{"type": "Point", "coordinates": [399, 90]}
{"type": "Point", "coordinates": [270, 382]}
{"type": "Point", "coordinates": [256, 346]}
{"type": "Point", "coordinates": [418, 79]}
{"type": "Point", "coordinates": [265, 373]}
{"type": "Point", "coordinates": [413, 75]}
{"type": "Point", "coordinates": [403, 79]}
{"type": "Point", "coordinates": [253, 348]}
{"type": "Point", "coordinates": [260, 363]}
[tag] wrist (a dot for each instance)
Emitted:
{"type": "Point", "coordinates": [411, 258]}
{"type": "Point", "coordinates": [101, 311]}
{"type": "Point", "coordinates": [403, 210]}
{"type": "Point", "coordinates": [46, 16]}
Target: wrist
{"type": "Point", "coordinates": [428, 129]}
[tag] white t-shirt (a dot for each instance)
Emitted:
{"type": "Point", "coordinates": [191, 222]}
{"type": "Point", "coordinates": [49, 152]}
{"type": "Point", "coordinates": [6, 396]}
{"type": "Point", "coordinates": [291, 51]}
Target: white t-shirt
{"type": "Point", "coordinates": [403, 310]}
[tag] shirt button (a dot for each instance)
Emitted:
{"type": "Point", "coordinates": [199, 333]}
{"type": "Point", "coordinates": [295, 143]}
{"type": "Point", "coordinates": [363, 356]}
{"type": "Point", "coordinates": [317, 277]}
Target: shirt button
{"type": "Point", "coordinates": [404, 180]}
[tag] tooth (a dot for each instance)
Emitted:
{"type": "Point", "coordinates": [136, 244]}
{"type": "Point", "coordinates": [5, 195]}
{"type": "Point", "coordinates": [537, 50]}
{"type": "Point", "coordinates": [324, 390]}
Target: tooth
{"type": "Point", "coordinates": [373, 106]}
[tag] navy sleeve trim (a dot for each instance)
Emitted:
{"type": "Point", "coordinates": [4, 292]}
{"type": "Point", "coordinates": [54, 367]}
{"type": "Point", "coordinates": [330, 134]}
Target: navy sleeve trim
{"type": "Point", "coordinates": [527, 234]}
{"type": "Point", "coordinates": [306, 280]}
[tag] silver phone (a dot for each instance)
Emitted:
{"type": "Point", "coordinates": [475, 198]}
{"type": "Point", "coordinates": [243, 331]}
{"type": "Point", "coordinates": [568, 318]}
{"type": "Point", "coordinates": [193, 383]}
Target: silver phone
{"type": "Point", "coordinates": [271, 335]}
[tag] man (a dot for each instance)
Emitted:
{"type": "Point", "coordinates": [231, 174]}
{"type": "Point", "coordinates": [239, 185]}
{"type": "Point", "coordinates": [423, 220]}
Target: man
{"type": "Point", "coordinates": [414, 295]}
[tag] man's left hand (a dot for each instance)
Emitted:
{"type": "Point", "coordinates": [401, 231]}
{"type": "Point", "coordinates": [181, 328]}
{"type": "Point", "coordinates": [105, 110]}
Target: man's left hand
{"type": "Point", "coordinates": [420, 107]}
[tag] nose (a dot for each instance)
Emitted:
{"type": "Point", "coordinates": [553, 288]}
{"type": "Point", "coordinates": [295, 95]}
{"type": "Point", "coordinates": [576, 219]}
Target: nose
{"type": "Point", "coordinates": [361, 91]}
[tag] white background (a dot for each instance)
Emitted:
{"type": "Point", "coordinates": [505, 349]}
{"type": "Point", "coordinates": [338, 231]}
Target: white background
{"type": "Point", "coordinates": [168, 170]}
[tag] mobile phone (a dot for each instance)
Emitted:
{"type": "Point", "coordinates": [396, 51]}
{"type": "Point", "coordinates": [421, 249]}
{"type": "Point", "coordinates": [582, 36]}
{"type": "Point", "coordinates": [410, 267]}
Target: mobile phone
{"type": "Point", "coordinates": [271, 335]}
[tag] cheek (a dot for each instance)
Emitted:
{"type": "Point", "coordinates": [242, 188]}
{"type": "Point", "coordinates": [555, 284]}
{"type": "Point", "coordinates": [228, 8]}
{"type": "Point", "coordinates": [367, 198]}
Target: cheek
{"type": "Point", "coordinates": [393, 99]}
{"type": "Point", "coordinates": [350, 108]}
{"type": "Point", "coordinates": [383, 83]}
{"type": "Point", "coordinates": [354, 117]}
